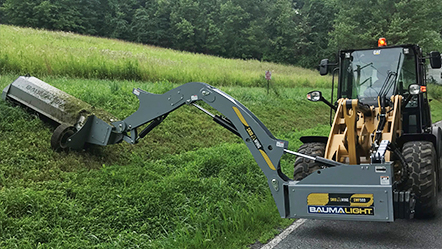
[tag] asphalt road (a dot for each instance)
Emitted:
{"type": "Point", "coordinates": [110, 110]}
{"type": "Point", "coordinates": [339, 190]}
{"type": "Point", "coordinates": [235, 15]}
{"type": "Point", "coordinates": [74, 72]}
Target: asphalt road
{"type": "Point", "coordinates": [348, 234]}
{"type": "Point", "coordinates": [351, 234]}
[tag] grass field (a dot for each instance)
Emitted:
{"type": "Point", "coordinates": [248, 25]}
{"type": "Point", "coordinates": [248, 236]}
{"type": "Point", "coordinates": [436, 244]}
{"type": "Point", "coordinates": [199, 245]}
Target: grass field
{"type": "Point", "coordinates": [188, 184]}
{"type": "Point", "coordinates": [41, 53]}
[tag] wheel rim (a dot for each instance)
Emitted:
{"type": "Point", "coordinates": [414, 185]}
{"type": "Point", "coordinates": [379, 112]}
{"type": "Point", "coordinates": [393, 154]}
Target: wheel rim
{"type": "Point", "coordinates": [64, 138]}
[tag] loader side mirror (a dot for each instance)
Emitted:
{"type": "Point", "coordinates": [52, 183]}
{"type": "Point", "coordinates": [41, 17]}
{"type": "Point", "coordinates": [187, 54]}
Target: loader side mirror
{"type": "Point", "coordinates": [435, 60]}
{"type": "Point", "coordinates": [323, 67]}
{"type": "Point", "coordinates": [314, 96]}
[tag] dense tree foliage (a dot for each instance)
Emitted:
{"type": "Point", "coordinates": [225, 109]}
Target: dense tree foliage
{"type": "Point", "coordinates": [400, 21]}
{"type": "Point", "coordinates": [288, 31]}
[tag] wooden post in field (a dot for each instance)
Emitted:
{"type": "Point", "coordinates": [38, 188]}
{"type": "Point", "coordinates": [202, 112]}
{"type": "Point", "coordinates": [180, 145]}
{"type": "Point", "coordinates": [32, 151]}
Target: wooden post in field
{"type": "Point", "coordinates": [268, 78]}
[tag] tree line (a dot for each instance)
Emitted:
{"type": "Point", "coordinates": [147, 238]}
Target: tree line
{"type": "Point", "coordinates": [298, 32]}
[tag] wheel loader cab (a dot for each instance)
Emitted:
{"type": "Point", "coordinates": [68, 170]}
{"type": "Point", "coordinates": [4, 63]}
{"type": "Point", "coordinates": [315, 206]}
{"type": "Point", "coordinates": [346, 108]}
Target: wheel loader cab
{"type": "Point", "coordinates": [364, 73]}
{"type": "Point", "coordinates": [367, 74]}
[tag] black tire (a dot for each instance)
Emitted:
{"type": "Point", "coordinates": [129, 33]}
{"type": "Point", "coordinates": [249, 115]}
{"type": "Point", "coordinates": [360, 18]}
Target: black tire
{"type": "Point", "coordinates": [60, 137]}
{"type": "Point", "coordinates": [437, 131]}
{"type": "Point", "coordinates": [421, 159]}
{"type": "Point", "coordinates": [439, 175]}
{"type": "Point", "coordinates": [304, 166]}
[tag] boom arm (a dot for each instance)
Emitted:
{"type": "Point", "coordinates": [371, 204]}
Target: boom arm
{"type": "Point", "coordinates": [265, 148]}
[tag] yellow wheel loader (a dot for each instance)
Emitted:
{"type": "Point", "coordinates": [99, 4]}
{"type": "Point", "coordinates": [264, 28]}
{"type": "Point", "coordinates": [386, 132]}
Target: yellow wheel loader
{"type": "Point", "coordinates": [382, 115]}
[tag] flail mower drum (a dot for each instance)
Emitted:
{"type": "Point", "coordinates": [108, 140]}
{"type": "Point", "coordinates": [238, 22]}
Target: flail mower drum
{"type": "Point", "coordinates": [69, 112]}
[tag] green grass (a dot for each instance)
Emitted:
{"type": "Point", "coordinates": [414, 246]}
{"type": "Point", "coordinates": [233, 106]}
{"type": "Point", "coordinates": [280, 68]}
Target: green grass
{"type": "Point", "coordinates": [435, 95]}
{"type": "Point", "coordinates": [164, 203]}
{"type": "Point", "coordinates": [41, 53]}
{"type": "Point", "coordinates": [435, 91]}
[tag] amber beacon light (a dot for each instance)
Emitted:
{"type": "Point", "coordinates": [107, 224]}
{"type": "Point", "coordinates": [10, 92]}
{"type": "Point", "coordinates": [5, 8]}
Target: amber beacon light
{"type": "Point", "coordinates": [382, 42]}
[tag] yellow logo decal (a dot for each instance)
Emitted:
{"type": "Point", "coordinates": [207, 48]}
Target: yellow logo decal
{"type": "Point", "coordinates": [340, 203]}
{"type": "Point", "coordinates": [254, 138]}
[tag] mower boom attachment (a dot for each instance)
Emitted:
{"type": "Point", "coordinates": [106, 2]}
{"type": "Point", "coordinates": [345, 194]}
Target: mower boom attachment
{"type": "Point", "coordinates": [337, 191]}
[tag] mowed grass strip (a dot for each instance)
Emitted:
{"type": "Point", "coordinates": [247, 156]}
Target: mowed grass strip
{"type": "Point", "coordinates": [41, 53]}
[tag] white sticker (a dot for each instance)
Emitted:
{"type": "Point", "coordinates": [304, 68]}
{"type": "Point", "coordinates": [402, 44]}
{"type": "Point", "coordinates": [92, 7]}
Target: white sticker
{"type": "Point", "coordinates": [136, 92]}
{"type": "Point", "coordinates": [194, 97]}
{"type": "Point", "coordinates": [279, 144]}
{"type": "Point", "coordinates": [376, 52]}
{"type": "Point", "coordinates": [385, 180]}
{"type": "Point", "coordinates": [380, 169]}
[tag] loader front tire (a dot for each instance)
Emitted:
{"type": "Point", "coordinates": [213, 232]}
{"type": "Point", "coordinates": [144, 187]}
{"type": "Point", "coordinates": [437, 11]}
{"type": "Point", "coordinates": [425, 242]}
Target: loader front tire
{"type": "Point", "coordinates": [304, 166]}
{"type": "Point", "coordinates": [60, 137]}
{"type": "Point", "coordinates": [421, 160]}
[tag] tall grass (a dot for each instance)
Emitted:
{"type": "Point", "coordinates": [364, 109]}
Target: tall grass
{"type": "Point", "coordinates": [42, 53]}
{"type": "Point", "coordinates": [212, 198]}
{"type": "Point", "coordinates": [435, 91]}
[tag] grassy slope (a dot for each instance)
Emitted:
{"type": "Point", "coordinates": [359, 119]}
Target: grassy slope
{"type": "Point", "coordinates": [40, 52]}
{"type": "Point", "coordinates": [435, 92]}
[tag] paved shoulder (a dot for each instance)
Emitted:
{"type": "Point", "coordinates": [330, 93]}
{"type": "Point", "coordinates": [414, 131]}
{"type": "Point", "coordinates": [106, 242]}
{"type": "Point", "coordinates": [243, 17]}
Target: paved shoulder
{"type": "Point", "coordinates": [346, 234]}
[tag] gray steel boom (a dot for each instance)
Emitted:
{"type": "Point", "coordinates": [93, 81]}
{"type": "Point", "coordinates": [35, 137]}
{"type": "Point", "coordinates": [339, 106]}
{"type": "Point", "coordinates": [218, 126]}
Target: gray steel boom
{"type": "Point", "coordinates": [265, 148]}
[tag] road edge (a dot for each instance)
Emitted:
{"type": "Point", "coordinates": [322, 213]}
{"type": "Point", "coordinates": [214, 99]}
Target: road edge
{"type": "Point", "coordinates": [275, 241]}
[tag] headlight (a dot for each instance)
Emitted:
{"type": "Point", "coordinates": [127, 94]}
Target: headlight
{"type": "Point", "coordinates": [414, 89]}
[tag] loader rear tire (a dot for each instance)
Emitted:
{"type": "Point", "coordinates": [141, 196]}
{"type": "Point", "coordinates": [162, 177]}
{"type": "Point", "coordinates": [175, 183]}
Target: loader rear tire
{"type": "Point", "coordinates": [439, 176]}
{"type": "Point", "coordinates": [60, 137]}
{"type": "Point", "coordinates": [304, 166]}
{"type": "Point", "coordinates": [421, 159]}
